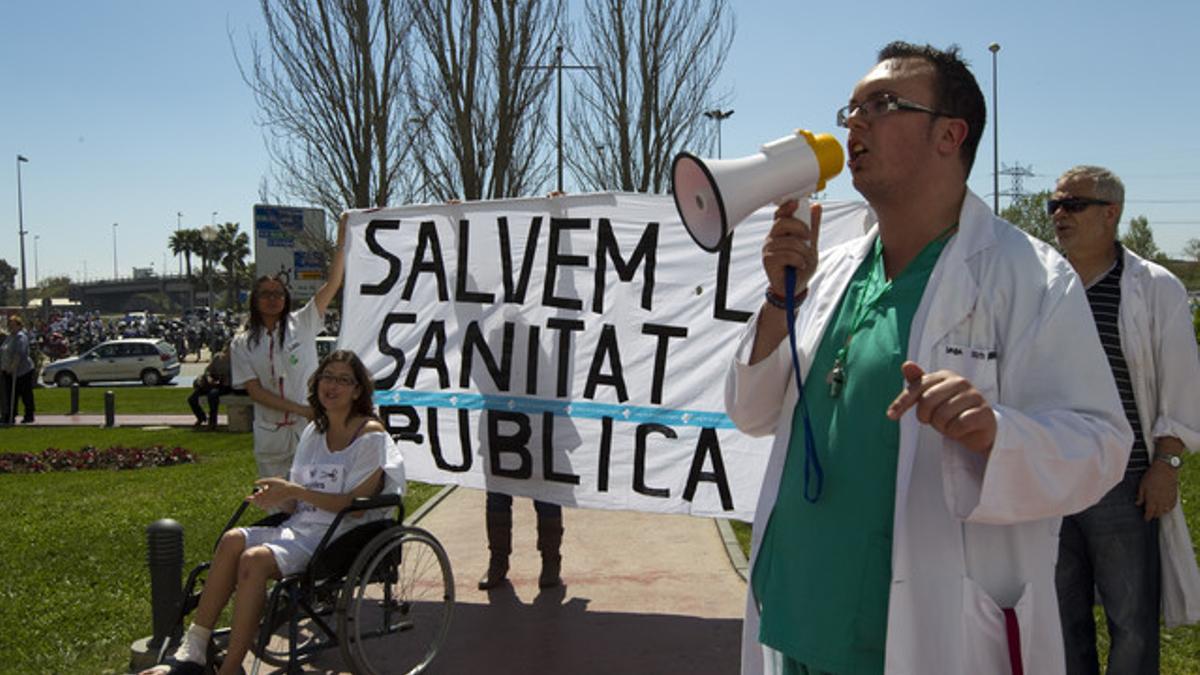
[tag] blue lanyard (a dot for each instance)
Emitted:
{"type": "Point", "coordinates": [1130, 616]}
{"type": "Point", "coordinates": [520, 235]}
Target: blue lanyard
{"type": "Point", "coordinates": [812, 463]}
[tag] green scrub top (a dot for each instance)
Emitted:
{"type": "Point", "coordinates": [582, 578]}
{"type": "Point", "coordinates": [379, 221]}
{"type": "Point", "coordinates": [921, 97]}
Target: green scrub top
{"type": "Point", "coordinates": [823, 570]}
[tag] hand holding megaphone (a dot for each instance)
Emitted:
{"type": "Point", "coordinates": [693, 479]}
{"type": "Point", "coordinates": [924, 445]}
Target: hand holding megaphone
{"type": "Point", "coordinates": [791, 243]}
{"type": "Point", "coordinates": [714, 196]}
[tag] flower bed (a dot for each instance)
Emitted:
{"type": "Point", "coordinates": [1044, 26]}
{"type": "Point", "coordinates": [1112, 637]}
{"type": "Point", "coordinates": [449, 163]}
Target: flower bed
{"type": "Point", "coordinates": [53, 459]}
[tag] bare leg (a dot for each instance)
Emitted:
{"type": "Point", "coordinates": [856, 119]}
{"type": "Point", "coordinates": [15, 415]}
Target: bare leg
{"type": "Point", "coordinates": [222, 577]}
{"type": "Point", "coordinates": [255, 567]}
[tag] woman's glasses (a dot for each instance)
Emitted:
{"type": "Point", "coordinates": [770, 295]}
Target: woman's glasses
{"type": "Point", "coordinates": [340, 380]}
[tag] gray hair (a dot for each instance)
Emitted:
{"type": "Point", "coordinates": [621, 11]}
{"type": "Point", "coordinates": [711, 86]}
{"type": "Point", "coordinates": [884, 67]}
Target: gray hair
{"type": "Point", "coordinates": [1106, 183]}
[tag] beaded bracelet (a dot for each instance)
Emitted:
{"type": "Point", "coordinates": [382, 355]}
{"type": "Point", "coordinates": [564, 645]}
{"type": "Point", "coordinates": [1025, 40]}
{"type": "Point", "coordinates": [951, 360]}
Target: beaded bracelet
{"type": "Point", "coordinates": [781, 302]}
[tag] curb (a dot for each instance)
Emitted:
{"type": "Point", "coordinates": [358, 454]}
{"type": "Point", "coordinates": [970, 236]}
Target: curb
{"type": "Point", "coordinates": [732, 548]}
{"type": "Point", "coordinates": [424, 509]}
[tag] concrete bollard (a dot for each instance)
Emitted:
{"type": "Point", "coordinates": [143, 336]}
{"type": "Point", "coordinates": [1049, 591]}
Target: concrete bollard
{"type": "Point", "coordinates": [74, 399]}
{"type": "Point", "coordinates": [110, 409]}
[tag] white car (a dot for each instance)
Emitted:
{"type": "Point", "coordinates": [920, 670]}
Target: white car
{"type": "Point", "coordinates": [150, 361]}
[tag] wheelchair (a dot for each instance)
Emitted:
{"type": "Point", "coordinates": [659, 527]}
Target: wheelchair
{"type": "Point", "coordinates": [382, 593]}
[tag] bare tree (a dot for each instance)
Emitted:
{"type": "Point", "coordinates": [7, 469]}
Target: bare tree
{"type": "Point", "coordinates": [329, 85]}
{"type": "Point", "coordinates": [658, 66]}
{"type": "Point", "coordinates": [481, 123]}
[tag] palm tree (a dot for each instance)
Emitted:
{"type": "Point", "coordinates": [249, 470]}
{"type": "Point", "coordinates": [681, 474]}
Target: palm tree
{"type": "Point", "coordinates": [180, 244]}
{"type": "Point", "coordinates": [231, 249]}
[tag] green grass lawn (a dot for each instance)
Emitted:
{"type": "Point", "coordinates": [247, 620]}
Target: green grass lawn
{"type": "Point", "coordinates": [1180, 646]}
{"type": "Point", "coordinates": [133, 399]}
{"type": "Point", "coordinates": [74, 587]}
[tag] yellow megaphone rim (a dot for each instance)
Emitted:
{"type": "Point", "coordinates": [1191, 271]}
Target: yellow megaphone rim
{"type": "Point", "coordinates": [830, 158]}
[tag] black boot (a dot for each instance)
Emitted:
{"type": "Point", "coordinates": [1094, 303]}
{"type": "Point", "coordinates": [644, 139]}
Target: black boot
{"type": "Point", "coordinates": [499, 534]}
{"type": "Point", "coordinates": [549, 542]}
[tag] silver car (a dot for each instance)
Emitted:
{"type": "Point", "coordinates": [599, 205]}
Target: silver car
{"type": "Point", "coordinates": [150, 361]}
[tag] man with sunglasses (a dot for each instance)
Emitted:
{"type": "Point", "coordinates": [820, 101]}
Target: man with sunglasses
{"type": "Point", "coordinates": [907, 518]}
{"type": "Point", "coordinates": [1133, 546]}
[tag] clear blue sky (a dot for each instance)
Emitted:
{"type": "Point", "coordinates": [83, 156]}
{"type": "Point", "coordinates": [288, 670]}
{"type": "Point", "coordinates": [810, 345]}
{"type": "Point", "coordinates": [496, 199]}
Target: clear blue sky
{"type": "Point", "coordinates": [131, 111]}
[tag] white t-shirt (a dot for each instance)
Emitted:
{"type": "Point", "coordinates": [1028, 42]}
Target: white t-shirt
{"type": "Point", "coordinates": [316, 468]}
{"type": "Point", "coordinates": [282, 370]}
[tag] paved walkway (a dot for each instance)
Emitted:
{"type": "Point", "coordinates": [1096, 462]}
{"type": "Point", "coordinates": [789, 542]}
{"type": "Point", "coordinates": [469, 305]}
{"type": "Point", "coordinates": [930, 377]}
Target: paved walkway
{"type": "Point", "coordinates": [92, 420]}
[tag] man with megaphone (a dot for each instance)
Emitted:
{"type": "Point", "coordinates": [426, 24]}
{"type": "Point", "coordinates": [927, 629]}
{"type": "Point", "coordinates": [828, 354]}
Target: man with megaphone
{"type": "Point", "coordinates": [909, 515]}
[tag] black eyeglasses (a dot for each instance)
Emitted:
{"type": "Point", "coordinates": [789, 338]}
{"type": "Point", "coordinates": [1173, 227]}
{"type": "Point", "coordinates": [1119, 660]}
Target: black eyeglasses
{"type": "Point", "coordinates": [271, 295]}
{"type": "Point", "coordinates": [1073, 204]}
{"type": "Point", "coordinates": [880, 105]}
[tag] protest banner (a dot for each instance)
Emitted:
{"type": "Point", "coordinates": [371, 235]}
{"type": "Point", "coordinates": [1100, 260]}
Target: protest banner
{"type": "Point", "coordinates": [570, 349]}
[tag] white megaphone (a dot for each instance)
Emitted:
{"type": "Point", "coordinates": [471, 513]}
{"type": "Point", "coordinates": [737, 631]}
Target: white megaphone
{"type": "Point", "coordinates": [714, 195]}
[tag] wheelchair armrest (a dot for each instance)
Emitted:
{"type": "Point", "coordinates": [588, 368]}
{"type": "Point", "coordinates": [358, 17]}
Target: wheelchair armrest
{"type": "Point", "coordinates": [375, 502]}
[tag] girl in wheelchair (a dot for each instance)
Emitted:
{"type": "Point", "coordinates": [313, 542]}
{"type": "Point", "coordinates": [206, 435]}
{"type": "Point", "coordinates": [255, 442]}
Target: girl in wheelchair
{"type": "Point", "coordinates": [344, 453]}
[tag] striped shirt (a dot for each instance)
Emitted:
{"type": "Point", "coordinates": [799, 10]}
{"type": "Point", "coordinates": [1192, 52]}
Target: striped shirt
{"type": "Point", "coordinates": [1105, 298]}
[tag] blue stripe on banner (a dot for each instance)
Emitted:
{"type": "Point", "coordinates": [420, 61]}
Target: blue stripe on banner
{"type": "Point", "coordinates": [577, 409]}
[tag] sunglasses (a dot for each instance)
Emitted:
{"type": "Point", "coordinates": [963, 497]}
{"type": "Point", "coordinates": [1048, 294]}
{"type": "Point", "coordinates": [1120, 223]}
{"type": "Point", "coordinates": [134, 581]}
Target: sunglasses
{"type": "Point", "coordinates": [1073, 204]}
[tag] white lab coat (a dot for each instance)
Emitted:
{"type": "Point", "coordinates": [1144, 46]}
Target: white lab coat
{"type": "Point", "coordinates": [971, 535]}
{"type": "Point", "coordinates": [1160, 349]}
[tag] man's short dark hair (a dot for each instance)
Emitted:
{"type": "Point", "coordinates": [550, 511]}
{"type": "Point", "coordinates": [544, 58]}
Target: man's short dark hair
{"type": "Point", "coordinates": [957, 92]}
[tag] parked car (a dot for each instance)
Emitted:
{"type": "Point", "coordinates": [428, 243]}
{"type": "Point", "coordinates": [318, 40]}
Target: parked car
{"type": "Point", "coordinates": [148, 360]}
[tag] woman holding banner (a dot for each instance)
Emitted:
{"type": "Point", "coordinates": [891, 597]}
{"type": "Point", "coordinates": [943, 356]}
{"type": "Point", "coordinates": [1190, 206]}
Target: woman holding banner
{"type": "Point", "coordinates": [275, 356]}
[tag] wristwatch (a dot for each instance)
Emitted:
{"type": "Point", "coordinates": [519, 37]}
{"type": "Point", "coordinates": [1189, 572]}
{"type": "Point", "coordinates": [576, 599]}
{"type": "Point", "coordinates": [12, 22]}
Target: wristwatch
{"type": "Point", "coordinates": [1175, 461]}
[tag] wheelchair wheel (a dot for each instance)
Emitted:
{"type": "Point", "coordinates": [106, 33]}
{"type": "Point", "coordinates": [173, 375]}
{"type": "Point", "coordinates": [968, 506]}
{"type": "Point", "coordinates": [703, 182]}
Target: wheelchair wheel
{"type": "Point", "coordinates": [310, 639]}
{"type": "Point", "coordinates": [395, 608]}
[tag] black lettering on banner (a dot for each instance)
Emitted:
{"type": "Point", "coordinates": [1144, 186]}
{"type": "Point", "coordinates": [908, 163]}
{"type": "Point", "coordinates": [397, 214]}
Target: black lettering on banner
{"type": "Point", "coordinates": [607, 249]}
{"type": "Point", "coordinates": [393, 318]}
{"type": "Point", "coordinates": [724, 260]}
{"type": "Point", "coordinates": [515, 292]}
{"type": "Point", "coordinates": [409, 431]}
{"type": "Point", "coordinates": [664, 333]}
{"type": "Point", "coordinates": [606, 427]}
{"type": "Point", "coordinates": [606, 350]}
{"type": "Point", "coordinates": [554, 260]}
{"type": "Point", "coordinates": [464, 436]}
{"type": "Point", "coordinates": [566, 326]}
{"type": "Point", "coordinates": [548, 471]}
{"type": "Point", "coordinates": [533, 352]}
{"type": "Point", "coordinates": [383, 287]}
{"type": "Point", "coordinates": [639, 459]}
{"type": "Point", "coordinates": [427, 238]}
{"type": "Point", "coordinates": [473, 340]}
{"type": "Point", "coordinates": [513, 444]}
{"type": "Point", "coordinates": [433, 340]}
{"type": "Point", "coordinates": [461, 292]}
{"type": "Point", "coordinates": [708, 444]}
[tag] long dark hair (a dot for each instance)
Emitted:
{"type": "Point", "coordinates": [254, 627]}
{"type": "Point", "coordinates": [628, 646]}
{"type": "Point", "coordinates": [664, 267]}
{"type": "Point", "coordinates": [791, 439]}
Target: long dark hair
{"type": "Point", "coordinates": [255, 326]}
{"type": "Point", "coordinates": [363, 404]}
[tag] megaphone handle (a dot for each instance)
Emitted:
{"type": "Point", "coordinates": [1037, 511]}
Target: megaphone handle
{"type": "Point", "coordinates": [812, 463]}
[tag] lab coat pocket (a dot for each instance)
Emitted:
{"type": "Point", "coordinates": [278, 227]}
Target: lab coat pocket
{"type": "Point", "coordinates": [987, 634]}
{"type": "Point", "coordinates": [975, 363]}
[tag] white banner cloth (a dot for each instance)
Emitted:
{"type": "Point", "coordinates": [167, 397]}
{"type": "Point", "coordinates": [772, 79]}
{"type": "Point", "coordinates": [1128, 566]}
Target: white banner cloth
{"type": "Point", "coordinates": [569, 349]}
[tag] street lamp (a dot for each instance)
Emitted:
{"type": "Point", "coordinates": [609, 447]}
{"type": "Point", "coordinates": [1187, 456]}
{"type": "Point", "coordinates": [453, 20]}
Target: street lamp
{"type": "Point", "coordinates": [719, 116]}
{"type": "Point", "coordinates": [115, 274]}
{"type": "Point", "coordinates": [559, 67]}
{"type": "Point", "coordinates": [993, 48]}
{"type": "Point", "coordinates": [21, 234]}
{"type": "Point", "coordinates": [209, 234]}
{"type": "Point", "coordinates": [36, 276]}
{"type": "Point", "coordinates": [178, 256]}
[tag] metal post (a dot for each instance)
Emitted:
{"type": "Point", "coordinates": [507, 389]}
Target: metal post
{"type": "Point", "coordinates": [558, 66]}
{"type": "Point", "coordinates": [74, 399]}
{"type": "Point", "coordinates": [164, 556]}
{"type": "Point", "coordinates": [110, 409]}
{"type": "Point", "coordinates": [993, 48]}
{"type": "Point", "coordinates": [115, 274]}
{"type": "Point", "coordinates": [21, 233]}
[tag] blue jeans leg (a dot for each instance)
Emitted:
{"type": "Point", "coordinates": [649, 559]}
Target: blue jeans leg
{"type": "Point", "coordinates": [1110, 546]}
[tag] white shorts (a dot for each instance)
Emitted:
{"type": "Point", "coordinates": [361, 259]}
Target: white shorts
{"type": "Point", "coordinates": [291, 548]}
